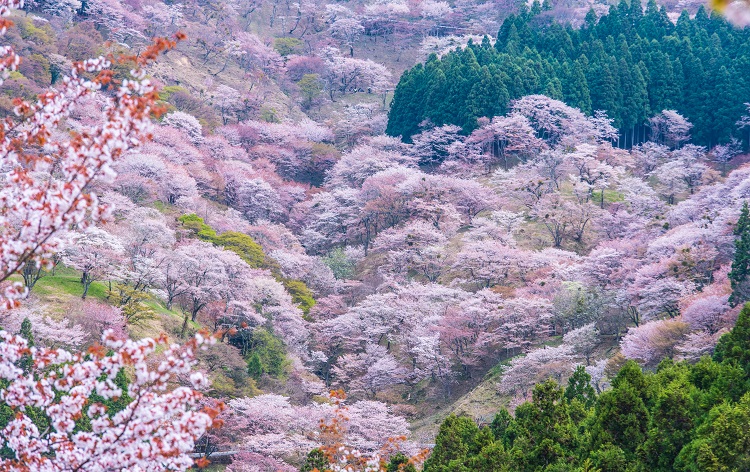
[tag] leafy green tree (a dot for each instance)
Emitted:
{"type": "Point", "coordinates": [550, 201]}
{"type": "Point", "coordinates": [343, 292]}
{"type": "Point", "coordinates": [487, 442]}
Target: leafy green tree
{"type": "Point", "coordinates": [255, 366]}
{"type": "Point", "coordinates": [310, 87]}
{"type": "Point", "coordinates": [400, 463]}
{"type": "Point", "coordinates": [287, 46]}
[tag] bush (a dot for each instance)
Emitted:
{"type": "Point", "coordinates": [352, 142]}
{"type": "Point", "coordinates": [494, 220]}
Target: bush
{"type": "Point", "coordinates": [263, 352]}
{"type": "Point", "coordinates": [301, 294]}
{"type": "Point", "coordinates": [287, 46]}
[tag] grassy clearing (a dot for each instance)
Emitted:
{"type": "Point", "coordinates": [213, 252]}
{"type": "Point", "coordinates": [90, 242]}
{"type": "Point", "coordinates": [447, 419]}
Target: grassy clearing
{"type": "Point", "coordinates": [67, 282]}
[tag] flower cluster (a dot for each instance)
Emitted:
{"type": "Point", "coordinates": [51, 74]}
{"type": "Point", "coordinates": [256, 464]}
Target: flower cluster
{"type": "Point", "coordinates": [154, 431]}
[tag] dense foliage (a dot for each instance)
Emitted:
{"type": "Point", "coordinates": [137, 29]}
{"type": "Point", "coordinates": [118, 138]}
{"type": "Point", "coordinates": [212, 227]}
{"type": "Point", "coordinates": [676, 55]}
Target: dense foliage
{"type": "Point", "coordinates": [450, 274]}
{"type": "Point", "coordinates": [629, 63]}
{"type": "Point", "coordinates": [681, 417]}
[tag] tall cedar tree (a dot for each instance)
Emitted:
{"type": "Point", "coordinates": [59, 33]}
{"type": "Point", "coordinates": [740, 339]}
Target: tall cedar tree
{"type": "Point", "coordinates": [741, 264]}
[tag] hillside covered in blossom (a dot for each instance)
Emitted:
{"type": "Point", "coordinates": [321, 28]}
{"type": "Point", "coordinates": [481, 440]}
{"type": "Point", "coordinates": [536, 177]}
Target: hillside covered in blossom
{"type": "Point", "coordinates": [445, 236]}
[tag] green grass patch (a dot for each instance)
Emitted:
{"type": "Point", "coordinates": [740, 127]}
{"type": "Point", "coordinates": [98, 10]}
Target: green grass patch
{"type": "Point", "coordinates": [610, 196]}
{"type": "Point", "coordinates": [67, 281]}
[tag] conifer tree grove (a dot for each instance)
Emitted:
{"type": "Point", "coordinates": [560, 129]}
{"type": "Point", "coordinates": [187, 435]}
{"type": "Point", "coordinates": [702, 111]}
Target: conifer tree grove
{"type": "Point", "coordinates": [629, 63]}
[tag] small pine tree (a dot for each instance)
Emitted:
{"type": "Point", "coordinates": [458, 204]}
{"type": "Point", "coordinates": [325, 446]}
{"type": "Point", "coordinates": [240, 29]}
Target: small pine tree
{"type": "Point", "coordinates": [315, 460]}
{"type": "Point", "coordinates": [741, 264]}
{"type": "Point", "coordinates": [734, 347]}
{"type": "Point", "coordinates": [26, 333]}
{"type": "Point", "coordinates": [579, 387]}
{"type": "Point", "coordinates": [255, 366]}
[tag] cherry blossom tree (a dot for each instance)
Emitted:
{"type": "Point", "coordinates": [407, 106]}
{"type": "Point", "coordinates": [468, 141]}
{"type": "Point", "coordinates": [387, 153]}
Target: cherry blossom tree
{"type": "Point", "coordinates": [95, 318]}
{"type": "Point", "coordinates": [414, 248]}
{"type": "Point", "coordinates": [257, 199]}
{"type": "Point", "coordinates": [486, 263]}
{"type": "Point", "coordinates": [347, 30]}
{"type": "Point", "coordinates": [63, 388]}
{"type": "Point", "coordinates": [738, 13]}
{"type": "Point", "coordinates": [654, 341]}
{"type": "Point", "coordinates": [670, 128]}
{"type": "Point", "coordinates": [506, 137]}
{"type": "Point", "coordinates": [362, 162]}
{"type": "Point", "coordinates": [431, 145]}
{"type": "Point", "coordinates": [544, 363]}
{"type": "Point", "coordinates": [744, 122]}
{"type": "Point", "coordinates": [187, 123]}
{"type": "Point", "coordinates": [707, 313]}
{"type": "Point", "coordinates": [96, 254]}
{"type": "Point", "coordinates": [558, 123]}
{"type": "Point", "coordinates": [583, 340]}
{"type": "Point", "coordinates": [368, 372]}
{"type": "Point", "coordinates": [348, 75]}
{"type": "Point", "coordinates": [564, 219]}
{"type": "Point", "coordinates": [657, 296]}
{"type": "Point", "coordinates": [46, 331]}
{"type": "Point", "coordinates": [723, 153]}
{"type": "Point", "coordinates": [46, 190]}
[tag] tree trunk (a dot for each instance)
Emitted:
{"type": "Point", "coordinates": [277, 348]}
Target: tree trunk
{"type": "Point", "coordinates": [184, 326]}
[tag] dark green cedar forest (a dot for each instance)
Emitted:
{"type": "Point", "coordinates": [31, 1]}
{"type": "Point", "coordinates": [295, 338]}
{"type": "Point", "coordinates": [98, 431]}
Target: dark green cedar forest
{"type": "Point", "coordinates": [681, 417]}
{"type": "Point", "coordinates": [629, 63]}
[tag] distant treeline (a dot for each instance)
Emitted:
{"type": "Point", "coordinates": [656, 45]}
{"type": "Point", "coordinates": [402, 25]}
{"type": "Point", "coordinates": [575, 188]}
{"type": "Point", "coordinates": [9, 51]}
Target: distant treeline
{"type": "Point", "coordinates": [630, 63]}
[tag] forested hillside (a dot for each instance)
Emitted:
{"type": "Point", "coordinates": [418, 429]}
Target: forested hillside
{"type": "Point", "coordinates": [227, 242]}
{"type": "Point", "coordinates": [681, 417]}
{"type": "Point", "coordinates": [630, 64]}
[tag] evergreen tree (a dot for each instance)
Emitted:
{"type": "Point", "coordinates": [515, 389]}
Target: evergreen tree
{"type": "Point", "coordinates": [734, 347]}
{"type": "Point", "coordinates": [579, 387]}
{"type": "Point", "coordinates": [255, 366]}
{"type": "Point", "coordinates": [28, 335]}
{"type": "Point", "coordinates": [738, 276]}
{"type": "Point", "coordinates": [621, 416]}
{"type": "Point", "coordinates": [315, 460]}
{"type": "Point", "coordinates": [453, 444]}
{"type": "Point", "coordinates": [682, 417]}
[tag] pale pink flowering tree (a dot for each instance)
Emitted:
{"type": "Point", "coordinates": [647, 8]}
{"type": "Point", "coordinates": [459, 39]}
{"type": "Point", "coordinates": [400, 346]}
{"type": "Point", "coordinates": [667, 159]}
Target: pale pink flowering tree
{"type": "Point", "coordinates": [540, 364]}
{"type": "Point", "coordinates": [744, 122]}
{"type": "Point", "coordinates": [46, 331]}
{"type": "Point", "coordinates": [654, 341]}
{"type": "Point", "coordinates": [347, 30]}
{"type": "Point", "coordinates": [506, 137]}
{"type": "Point", "coordinates": [670, 128]}
{"type": "Point", "coordinates": [96, 254]}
